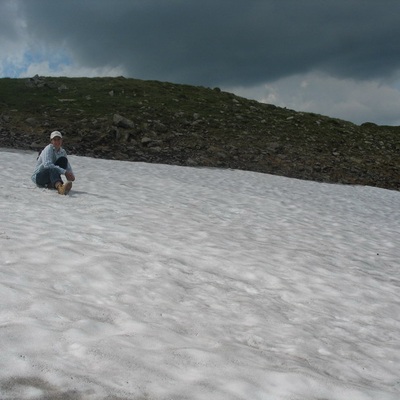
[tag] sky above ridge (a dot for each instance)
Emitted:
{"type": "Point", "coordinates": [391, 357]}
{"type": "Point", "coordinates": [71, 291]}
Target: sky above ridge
{"type": "Point", "coordinates": [339, 58]}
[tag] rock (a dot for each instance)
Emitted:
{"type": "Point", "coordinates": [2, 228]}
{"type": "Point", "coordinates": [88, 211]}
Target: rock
{"type": "Point", "coordinates": [122, 122]}
{"type": "Point", "coordinates": [32, 122]}
{"type": "Point", "coordinates": [160, 127]}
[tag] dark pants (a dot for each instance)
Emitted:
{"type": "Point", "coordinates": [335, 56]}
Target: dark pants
{"type": "Point", "coordinates": [50, 176]}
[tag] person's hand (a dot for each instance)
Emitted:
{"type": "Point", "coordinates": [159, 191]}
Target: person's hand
{"type": "Point", "coordinates": [70, 176]}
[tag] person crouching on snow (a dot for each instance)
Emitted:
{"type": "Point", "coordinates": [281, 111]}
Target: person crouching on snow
{"type": "Point", "coordinates": [51, 164]}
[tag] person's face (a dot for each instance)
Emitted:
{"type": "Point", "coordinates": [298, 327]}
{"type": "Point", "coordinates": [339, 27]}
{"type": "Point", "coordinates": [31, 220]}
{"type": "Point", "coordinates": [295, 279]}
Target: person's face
{"type": "Point", "coordinates": [57, 142]}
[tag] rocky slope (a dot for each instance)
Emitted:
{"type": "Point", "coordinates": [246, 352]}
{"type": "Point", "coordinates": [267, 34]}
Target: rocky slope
{"type": "Point", "coordinates": [158, 122]}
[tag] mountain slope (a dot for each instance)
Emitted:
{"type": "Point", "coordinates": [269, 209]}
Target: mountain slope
{"type": "Point", "coordinates": [159, 122]}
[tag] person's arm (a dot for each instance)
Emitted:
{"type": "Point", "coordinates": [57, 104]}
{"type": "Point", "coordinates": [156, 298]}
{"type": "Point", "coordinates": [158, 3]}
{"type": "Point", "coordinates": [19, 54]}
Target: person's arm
{"type": "Point", "coordinates": [69, 174]}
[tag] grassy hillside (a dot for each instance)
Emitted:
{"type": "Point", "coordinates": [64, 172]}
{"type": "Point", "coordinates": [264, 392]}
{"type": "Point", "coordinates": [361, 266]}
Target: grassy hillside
{"type": "Point", "coordinates": [136, 120]}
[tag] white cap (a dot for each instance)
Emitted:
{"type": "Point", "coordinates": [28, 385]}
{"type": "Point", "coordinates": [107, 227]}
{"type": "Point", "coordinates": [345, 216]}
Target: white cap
{"type": "Point", "coordinates": [55, 134]}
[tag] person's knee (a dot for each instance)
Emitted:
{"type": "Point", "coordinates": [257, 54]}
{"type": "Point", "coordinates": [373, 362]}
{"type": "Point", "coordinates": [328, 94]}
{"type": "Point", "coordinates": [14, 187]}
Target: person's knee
{"type": "Point", "coordinates": [62, 162]}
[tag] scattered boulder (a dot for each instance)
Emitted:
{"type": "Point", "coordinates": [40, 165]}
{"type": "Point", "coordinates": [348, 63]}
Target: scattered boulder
{"type": "Point", "coordinates": [122, 122]}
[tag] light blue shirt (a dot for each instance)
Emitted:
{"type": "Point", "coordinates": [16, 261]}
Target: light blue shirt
{"type": "Point", "coordinates": [47, 158]}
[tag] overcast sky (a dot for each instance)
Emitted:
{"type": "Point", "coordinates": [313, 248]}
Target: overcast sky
{"type": "Point", "coordinates": [339, 58]}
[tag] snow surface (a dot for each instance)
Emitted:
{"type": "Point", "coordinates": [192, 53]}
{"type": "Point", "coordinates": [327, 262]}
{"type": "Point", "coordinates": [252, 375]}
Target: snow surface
{"type": "Point", "coordinates": [166, 282]}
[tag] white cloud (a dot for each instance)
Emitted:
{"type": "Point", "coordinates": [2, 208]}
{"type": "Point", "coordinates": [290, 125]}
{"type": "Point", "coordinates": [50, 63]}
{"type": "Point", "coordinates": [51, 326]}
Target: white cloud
{"type": "Point", "coordinates": [355, 101]}
{"type": "Point", "coordinates": [11, 57]}
{"type": "Point", "coordinates": [26, 61]}
{"type": "Point", "coordinates": [45, 69]}
{"type": "Point", "coordinates": [23, 56]}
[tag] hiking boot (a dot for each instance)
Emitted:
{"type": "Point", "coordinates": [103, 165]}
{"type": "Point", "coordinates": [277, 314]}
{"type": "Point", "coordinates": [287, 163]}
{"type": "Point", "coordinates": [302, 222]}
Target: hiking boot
{"type": "Point", "coordinates": [64, 188]}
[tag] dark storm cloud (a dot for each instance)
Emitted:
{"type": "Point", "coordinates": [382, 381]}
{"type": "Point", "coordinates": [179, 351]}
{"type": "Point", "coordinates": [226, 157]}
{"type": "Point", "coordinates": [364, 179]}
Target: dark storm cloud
{"type": "Point", "coordinates": [8, 24]}
{"type": "Point", "coordinates": [224, 42]}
